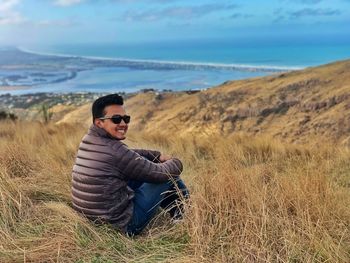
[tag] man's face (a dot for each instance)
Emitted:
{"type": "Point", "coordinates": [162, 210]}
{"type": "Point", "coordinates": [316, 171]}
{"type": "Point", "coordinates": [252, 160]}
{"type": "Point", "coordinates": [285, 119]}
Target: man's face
{"type": "Point", "coordinates": [117, 131]}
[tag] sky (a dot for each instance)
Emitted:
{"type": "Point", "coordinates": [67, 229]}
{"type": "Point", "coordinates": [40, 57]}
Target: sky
{"type": "Point", "coordinates": [139, 21]}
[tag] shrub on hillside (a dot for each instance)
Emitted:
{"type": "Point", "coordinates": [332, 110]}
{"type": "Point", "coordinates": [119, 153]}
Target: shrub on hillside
{"type": "Point", "coordinates": [7, 116]}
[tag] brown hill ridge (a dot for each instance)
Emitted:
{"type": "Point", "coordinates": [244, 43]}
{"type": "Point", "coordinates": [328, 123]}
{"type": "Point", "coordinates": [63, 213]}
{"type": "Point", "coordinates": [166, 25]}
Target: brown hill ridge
{"type": "Point", "coordinates": [299, 106]}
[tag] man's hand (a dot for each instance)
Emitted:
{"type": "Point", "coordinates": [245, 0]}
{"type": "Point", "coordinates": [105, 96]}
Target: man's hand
{"type": "Point", "coordinates": [164, 157]}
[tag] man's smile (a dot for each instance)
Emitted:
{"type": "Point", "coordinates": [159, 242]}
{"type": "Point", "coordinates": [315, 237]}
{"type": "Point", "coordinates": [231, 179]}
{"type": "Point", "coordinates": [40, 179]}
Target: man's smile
{"type": "Point", "coordinates": [121, 130]}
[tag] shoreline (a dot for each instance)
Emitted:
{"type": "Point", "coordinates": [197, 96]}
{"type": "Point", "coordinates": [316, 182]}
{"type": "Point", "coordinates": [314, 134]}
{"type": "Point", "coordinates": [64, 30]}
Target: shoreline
{"type": "Point", "coordinates": [11, 88]}
{"type": "Point", "coordinates": [181, 64]}
{"type": "Point", "coordinates": [169, 75]}
{"type": "Point", "coordinates": [123, 93]}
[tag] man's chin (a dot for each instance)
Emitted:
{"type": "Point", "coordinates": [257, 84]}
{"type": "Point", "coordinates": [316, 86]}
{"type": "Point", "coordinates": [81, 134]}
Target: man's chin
{"type": "Point", "coordinates": [120, 137]}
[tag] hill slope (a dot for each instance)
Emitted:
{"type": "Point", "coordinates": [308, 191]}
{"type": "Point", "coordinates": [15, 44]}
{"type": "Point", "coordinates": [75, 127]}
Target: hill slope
{"type": "Point", "coordinates": [296, 106]}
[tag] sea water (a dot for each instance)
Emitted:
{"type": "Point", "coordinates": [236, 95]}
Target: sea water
{"type": "Point", "coordinates": [249, 60]}
{"type": "Point", "coordinates": [229, 52]}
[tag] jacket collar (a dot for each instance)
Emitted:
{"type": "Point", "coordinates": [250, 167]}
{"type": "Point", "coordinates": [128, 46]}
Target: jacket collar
{"type": "Point", "coordinates": [99, 132]}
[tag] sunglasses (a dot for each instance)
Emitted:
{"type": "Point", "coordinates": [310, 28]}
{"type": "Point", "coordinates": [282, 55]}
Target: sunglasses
{"type": "Point", "coordinates": [116, 119]}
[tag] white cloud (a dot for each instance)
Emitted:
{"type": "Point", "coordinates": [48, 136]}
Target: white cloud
{"type": "Point", "coordinates": [67, 2]}
{"type": "Point", "coordinates": [7, 5]}
{"type": "Point", "coordinates": [11, 19]}
{"type": "Point", "coordinates": [8, 16]}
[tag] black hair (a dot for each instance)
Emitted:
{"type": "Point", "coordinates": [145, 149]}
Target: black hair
{"type": "Point", "coordinates": [99, 105]}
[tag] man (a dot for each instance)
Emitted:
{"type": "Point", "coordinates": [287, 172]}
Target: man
{"type": "Point", "coordinates": [124, 187]}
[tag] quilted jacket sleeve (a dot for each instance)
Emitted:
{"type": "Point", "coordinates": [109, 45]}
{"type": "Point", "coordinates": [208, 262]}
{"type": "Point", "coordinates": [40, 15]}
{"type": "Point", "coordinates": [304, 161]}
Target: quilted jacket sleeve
{"type": "Point", "coordinates": [150, 155]}
{"type": "Point", "coordinates": [134, 167]}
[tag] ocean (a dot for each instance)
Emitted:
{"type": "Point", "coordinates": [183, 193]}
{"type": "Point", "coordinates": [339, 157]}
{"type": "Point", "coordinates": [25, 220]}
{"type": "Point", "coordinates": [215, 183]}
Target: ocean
{"type": "Point", "coordinates": [175, 66]}
{"type": "Point", "coordinates": [295, 55]}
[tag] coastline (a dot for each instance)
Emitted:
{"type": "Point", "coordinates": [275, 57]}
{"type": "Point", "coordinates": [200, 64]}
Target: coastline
{"type": "Point", "coordinates": [12, 88]}
{"type": "Point", "coordinates": [182, 64]}
{"type": "Point", "coordinates": [36, 72]}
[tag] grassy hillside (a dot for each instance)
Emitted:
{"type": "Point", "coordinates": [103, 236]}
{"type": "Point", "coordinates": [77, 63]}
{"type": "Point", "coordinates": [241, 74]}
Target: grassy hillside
{"type": "Point", "coordinates": [297, 106]}
{"type": "Point", "coordinates": [253, 200]}
{"type": "Point", "coordinates": [301, 106]}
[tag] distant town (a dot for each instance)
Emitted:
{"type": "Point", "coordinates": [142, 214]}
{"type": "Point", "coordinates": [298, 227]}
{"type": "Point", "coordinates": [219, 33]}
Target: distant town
{"type": "Point", "coordinates": [27, 101]}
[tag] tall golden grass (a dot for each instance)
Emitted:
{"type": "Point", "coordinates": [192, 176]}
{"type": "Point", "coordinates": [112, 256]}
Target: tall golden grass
{"type": "Point", "coordinates": [252, 200]}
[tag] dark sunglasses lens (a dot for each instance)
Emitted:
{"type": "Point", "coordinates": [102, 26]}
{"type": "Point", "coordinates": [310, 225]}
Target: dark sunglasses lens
{"type": "Point", "coordinates": [117, 119]}
{"type": "Point", "coordinates": [126, 118]}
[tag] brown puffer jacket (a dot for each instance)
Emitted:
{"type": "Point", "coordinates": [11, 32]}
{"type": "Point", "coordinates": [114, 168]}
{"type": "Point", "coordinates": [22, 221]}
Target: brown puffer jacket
{"type": "Point", "coordinates": [101, 172]}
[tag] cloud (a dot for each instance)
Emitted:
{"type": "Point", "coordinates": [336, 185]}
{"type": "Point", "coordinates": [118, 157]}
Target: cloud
{"type": "Point", "coordinates": [8, 16]}
{"type": "Point", "coordinates": [279, 19]}
{"type": "Point", "coordinates": [283, 15]}
{"type": "Point", "coordinates": [184, 12]}
{"type": "Point", "coordinates": [11, 19]}
{"type": "Point", "coordinates": [240, 15]}
{"type": "Point", "coordinates": [67, 2]}
{"type": "Point", "coordinates": [7, 5]}
{"type": "Point", "coordinates": [314, 12]}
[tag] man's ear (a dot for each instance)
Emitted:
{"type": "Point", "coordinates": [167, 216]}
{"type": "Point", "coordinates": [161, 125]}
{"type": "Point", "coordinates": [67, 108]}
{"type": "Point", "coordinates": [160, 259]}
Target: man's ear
{"type": "Point", "coordinates": [98, 123]}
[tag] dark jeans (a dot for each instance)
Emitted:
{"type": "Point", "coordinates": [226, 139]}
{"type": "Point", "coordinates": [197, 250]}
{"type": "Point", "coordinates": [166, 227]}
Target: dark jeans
{"type": "Point", "coordinates": [148, 197]}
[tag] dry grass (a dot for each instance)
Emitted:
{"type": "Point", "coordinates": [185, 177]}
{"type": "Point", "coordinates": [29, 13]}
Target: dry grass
{"type": "Point", "coordinates": [253, 200]}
